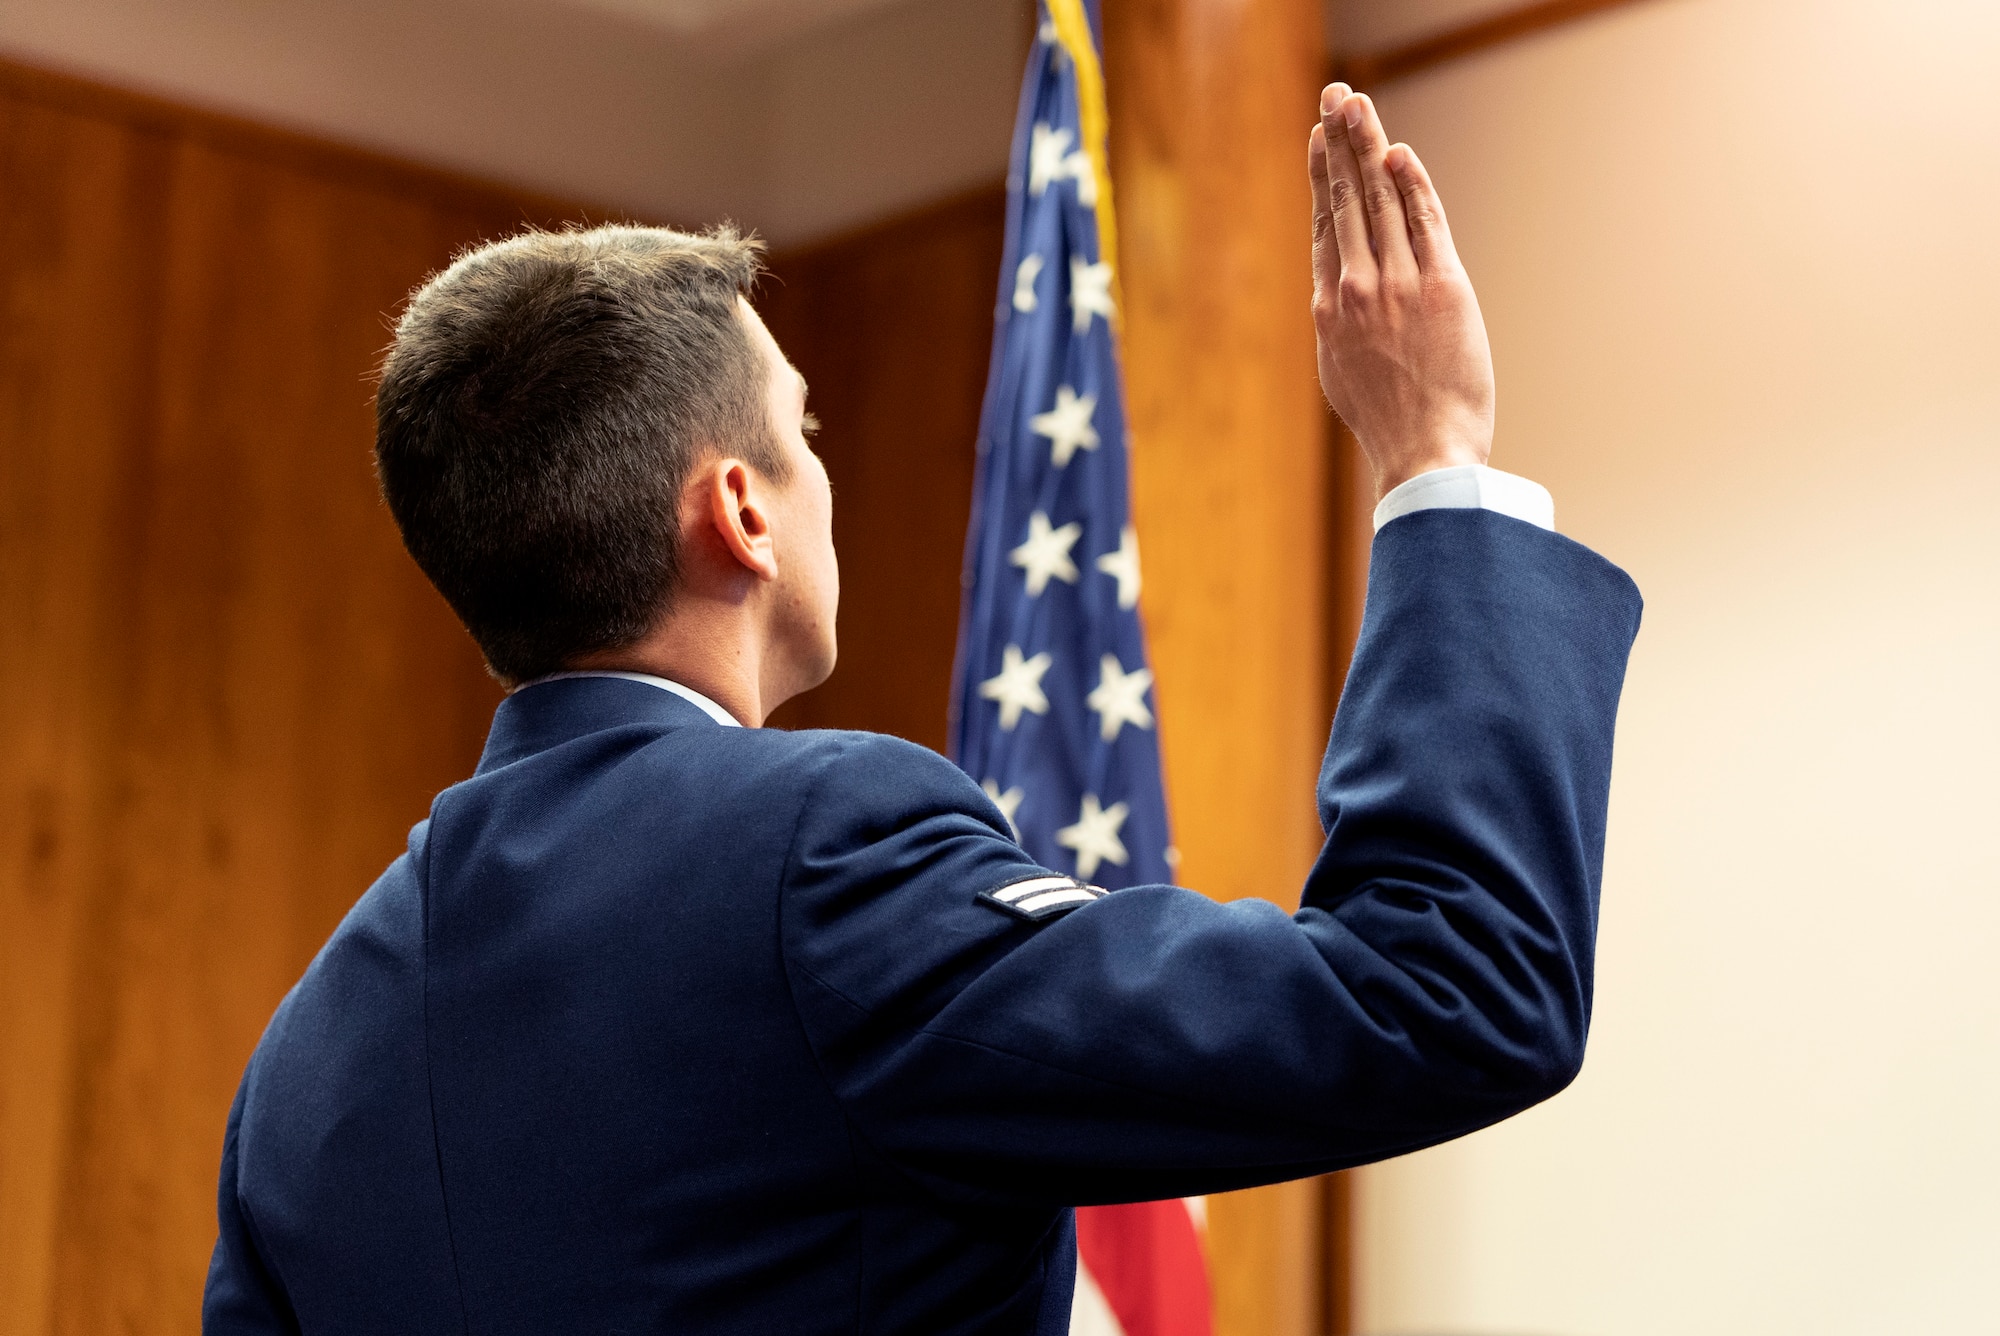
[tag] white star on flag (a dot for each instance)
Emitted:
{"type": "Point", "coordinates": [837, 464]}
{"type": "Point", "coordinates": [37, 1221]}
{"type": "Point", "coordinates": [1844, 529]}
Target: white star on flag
{"type": "Point", "coordinates": [1123, 566]}
{"type": "Point", "coordinates": [1120, 697]}
{"type": "Point", "coordinates": [1089, 291]}
{"type": "Point", "coordinates": [1067, 425]}
{"type": "Point", "coordinates": [1048, 158]}
{"type": "Point", "coordinates": [1046, 553]}
{"type": "Point", "coordinates": [1085, 175]}
{"type": "Point", "coordinates": [1025, 275]}
{"type": "Point", "coordinates": [1094, 837]}
{"type": "Point", "coordinates": [1018, 686]}
{"type": "Point", "coordinates": [1008, 802]}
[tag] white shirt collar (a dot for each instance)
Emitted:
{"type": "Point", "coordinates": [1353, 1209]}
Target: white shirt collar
{"type": "Point", "coordinates": [688, 694]}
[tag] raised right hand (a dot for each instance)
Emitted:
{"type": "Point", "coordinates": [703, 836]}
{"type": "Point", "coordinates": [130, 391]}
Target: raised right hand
{"type": "Point", "coordinates": [1403, 356]}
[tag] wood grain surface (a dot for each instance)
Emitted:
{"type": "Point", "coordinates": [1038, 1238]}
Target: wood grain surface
{"type": "Point", "coordinates": [225, 692]}
{"type": "Point", "coordinates": [1211, 102]}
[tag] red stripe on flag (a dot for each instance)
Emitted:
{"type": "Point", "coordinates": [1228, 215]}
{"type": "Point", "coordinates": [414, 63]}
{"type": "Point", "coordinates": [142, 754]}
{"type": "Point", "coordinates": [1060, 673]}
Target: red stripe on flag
{"type": "Point", "coordinates": [1147, 1259]}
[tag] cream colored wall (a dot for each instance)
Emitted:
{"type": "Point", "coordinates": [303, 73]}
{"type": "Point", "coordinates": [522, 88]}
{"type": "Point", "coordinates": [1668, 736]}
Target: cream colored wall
{"type": "Point", "coordinates": [1741, 262]}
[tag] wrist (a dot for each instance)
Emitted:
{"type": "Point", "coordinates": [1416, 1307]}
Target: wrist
{"type": "Point", "coordinates": [1388, 477]}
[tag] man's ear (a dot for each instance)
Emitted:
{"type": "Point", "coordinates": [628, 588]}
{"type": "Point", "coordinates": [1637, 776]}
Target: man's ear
{"type": "Point", "coordinates": [738, 506]}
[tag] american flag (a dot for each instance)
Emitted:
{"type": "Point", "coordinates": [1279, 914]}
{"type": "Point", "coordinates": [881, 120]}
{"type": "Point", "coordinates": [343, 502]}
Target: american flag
{"type": "Point", "coordinates": [1052, 707]}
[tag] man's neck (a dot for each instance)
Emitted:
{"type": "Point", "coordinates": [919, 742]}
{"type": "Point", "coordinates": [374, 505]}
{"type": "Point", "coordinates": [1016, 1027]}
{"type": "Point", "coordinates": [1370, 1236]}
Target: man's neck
{"type": "Point", "coordinates": [710, 650]}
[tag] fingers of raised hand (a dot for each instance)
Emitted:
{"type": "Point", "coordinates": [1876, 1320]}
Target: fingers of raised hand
{"type": "Point", "coordinates": [1322, 200]}
{"type": "Point", "coordinates": [1325, 250]}
{"type": "Point", "coordinates": [1343, 187]}
{"type": "Point", "coordinates": [1379, 191]}
{"type": "Point", "coordinates": [1430, 235]}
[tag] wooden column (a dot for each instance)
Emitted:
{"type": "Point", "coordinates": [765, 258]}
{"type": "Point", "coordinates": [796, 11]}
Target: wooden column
{"type": "Point", "coordinates": [1211, 102]}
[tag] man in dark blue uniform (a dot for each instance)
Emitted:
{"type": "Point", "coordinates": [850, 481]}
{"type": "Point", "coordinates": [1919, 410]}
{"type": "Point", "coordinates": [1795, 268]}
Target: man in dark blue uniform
{"type": "Point", "coordinates": [670, 1024]}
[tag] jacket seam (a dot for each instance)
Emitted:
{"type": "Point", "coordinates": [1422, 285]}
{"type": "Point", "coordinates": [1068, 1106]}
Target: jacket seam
{"type": "Point", "coordinates": [430, 1085]}
{"type": "Point", "coordinates": [853, 1133]}
{"type": "Point", "coordinates": [262, 1257]}
{"type": "Point", "coordinates": [260, 1251]}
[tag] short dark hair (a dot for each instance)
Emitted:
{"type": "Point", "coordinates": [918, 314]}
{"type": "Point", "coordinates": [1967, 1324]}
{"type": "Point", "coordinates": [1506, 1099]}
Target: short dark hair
{"type": "Point", "coordinates": [538, 416]}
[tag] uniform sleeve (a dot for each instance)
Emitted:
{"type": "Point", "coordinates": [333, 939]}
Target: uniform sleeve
{"type": "Point", "coordinates": [1154, 1043]}
{"type": "Point", "coordinates": [242, 1298]}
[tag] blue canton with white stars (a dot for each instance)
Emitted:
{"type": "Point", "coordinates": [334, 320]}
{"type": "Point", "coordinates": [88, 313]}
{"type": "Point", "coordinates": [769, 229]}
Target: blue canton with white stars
{"type": "Point", "coordinates": [1052, 707]}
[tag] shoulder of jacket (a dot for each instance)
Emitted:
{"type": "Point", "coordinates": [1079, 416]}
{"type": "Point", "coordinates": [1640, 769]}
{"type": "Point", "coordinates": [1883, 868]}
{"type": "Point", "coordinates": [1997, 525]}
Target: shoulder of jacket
{"type": "Point", "coordinates": [841, 748]}
{"type": "Point", "coordinates": [855, 772]}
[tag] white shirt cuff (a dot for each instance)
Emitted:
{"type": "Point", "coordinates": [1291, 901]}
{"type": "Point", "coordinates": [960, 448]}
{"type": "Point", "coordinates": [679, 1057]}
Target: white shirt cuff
{"type": "Point", "coordinates": [1470, 487]}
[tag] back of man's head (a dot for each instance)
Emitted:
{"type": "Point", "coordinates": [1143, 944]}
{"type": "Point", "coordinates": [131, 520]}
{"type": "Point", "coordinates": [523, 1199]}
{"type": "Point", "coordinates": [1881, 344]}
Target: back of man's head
{"type": "Point", "coordinates": [539, 413]}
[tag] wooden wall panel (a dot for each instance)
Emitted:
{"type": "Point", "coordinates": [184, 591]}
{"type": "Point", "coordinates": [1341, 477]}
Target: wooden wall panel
{"type": "Point", "coordinates": [892, 328]}
{"type": "Point", "coordinates": [225, 692]}
{"type": "Point", "coordinates": [1211, 102]}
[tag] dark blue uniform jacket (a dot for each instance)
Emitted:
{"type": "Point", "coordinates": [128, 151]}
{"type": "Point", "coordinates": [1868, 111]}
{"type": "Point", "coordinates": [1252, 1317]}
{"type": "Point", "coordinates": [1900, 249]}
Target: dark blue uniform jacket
{"type": "Point", "coordinates": [662, 1026]}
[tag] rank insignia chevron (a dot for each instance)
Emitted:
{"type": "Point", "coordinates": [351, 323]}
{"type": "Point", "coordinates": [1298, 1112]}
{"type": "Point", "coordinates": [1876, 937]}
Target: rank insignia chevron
{"type": "Point", "coordinates": [1038, 899]}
